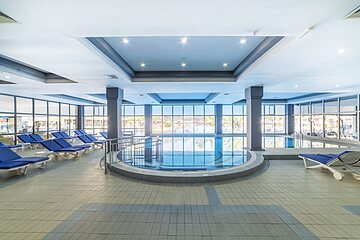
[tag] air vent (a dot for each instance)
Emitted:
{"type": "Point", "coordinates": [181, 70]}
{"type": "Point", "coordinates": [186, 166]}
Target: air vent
{"type": "Point", "coordinates": [6, 82]}
{"type": "Point", "coordinates": [354, 14]}
{"type": "Point", "coordinates": [5, 18]}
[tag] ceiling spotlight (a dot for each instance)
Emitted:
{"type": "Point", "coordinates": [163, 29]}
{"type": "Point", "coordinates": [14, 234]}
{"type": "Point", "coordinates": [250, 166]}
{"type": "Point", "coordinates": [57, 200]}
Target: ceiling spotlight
{"type": "Point", "coordinates": [7, 76]}
{"type": "Point", "coordinates": [225, 65]}
{"type": "Point", "coordinates": [183, 64]}
{"type": "Point", "coordinates": [296, 85]}
{"type": "Point", "coordinates": [243, 41]}
{"type": "Point", "coordinates": [341, 51]}
{"type": "Point", "coordinates": [141, 95]}
{"type": "Point", "coordinates": [226, 94]}
{"type": "Point", "coordinates": [184, 40]}
{"type": "Point", "coordinates": [337, 85]}
{"type": "Point", "coordinates": [142, 65]}
{"type": "Point", "coordinates": [110, 76]}
{"type": "Point", "coordinates": [125, 41]}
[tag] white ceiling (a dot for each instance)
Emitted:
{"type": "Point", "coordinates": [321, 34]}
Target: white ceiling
{"type": "Point", "coordinates": [50, 35]}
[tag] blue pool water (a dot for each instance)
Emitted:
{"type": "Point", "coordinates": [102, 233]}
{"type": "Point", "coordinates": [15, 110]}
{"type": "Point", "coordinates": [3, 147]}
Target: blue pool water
{"type": "Point", "coordinates": [207, 153]}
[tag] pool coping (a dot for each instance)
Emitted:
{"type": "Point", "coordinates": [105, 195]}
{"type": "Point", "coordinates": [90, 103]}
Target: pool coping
{"type": "Point", "coordinates": [252, 165]}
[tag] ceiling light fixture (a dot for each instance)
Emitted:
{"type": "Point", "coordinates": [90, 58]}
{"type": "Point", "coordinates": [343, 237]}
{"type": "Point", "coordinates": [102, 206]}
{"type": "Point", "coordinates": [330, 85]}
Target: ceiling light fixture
{"type": "Point", "coordinates": [243, 41]}
{"type": "Point", "coordinates": [306, 32]}
{"type": "Point", "coordinates": [184, 40]}
{"type": "Point", "coordinates": [225, 65]}
{"type": "Point", "coordinates": [7, 76]}
{"type": "Point", "coordinates": [340, 51]}
{"type": "Point", "coordinates": [142, 65]}
{"type": "Point", "coordinates": [226, 94]}
{"type": "Point", "coordinates": [337, 85]}
{"type": "Point", "coordinates": [125, 41]}
{"type": "Point", "coordinates": [183, 64]}
{"type": "Point", "coordinates": [296, 85]}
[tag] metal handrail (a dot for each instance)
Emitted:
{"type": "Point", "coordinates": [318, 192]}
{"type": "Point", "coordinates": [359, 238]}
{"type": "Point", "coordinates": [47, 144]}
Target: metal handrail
{"type": "Point", "coordinates": [128, 149]}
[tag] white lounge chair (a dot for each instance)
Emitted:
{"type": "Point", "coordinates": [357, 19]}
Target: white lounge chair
{"type": "Point", "coordinates": [338, 164]}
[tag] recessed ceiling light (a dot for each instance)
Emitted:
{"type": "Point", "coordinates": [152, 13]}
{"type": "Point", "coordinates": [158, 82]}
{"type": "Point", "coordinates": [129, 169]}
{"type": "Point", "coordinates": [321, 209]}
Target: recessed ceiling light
{"type": "Point", "coordinates": [110, 76]}
{"type": "Point", "coordinates": [243, 41]}
{"type": "Point", "coordinates": [337, 85]}
{"type": "Point", "coordinates": [142, 65]}
{"type": "Point", "coordinates": [141, 95]}
{"type": "Point", "coordinates": [226, 94]}
{"type": "Point", "coordinates": [296, 85]}
{"type": "Point", "coordinates": [183, 64]}
{"type": "Point", "coordinates": [184, 40]}
{"type": "Point", "coordinates": [225, 65]}
{"type": "Point", "coordinates": [7, 76]}
{"type": "Point", "coordinates": [125, 41]}
{"type": "Point", "coordinates": [340, 51]}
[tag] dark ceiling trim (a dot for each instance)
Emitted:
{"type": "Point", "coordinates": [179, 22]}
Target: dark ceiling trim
{"type": "Point", "coordinates": [210, 97]}
{"type": "Point", "coordinates": [72, 98]}
{"type": "Point", "coordinates": [31, 72]}
{"type": "Point", "coordinates": [158, 99]}
{"type": "Point", "coordinates": [257, 53]}
{"type": "Point", "coordinates": [103, 46]}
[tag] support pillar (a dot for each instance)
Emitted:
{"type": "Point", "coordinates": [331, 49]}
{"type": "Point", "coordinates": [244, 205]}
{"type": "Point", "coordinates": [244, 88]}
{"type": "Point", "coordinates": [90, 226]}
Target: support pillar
{"type": "Point", "coordinates": [81, 121]}
{"type": "Point", "coordinates": [218, 119]}
{"type": "Point", "coordinates": [148, 132]}
{"type": "Point", "coordinates": [218, 139]}
{"type": "Point", "coordinates": [114, 98]}
{"type": "Point", "coordinates": [290, 121]}
{"type": "Point", "coordinates": [254, 96]}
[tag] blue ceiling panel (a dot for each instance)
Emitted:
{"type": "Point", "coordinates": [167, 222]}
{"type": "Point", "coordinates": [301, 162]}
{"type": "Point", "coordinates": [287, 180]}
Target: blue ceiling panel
{"type": "Point", "coordinates": [199, 54]}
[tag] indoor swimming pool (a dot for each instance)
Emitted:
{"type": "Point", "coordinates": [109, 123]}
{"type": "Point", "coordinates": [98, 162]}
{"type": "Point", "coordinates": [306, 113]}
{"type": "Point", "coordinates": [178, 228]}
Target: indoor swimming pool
{"type": "Point", "coordinates": [209, 153]}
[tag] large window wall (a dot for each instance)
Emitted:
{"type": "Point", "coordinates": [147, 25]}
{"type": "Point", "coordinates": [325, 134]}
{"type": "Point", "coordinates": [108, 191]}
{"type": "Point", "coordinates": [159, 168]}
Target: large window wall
{"type": "Point", "coordinates": [234, 119]}
{"type": "Point", "coordinates": [332, 118]}
{"type": "Point", "coordinates": [187, 119]}
{"type": "Point", "coordinates": [273, 119]}
{"type": "Point", "coordinates": [95, 119]}
{"type": "Point", "coordinates": [20, 115]}
{"type": "Point", "coordinates": [133, 119]}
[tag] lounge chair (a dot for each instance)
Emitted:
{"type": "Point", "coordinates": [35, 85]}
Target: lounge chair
{"type": "Point", "coordinates": [11, 161]}
{"type": "Point", "coordinates": [66, 136]}
{"type": "Point", "coordinates": [57, 150]}
{"type": "Point", "coordinates": [36, 137]}
{"type": "Point", "coordinates": [57, 135]}
{"type": "Point", "coordinates": [63, 143]}
{"type": "Point", "coordinates": [91, 139]}
{"type": "Point", "coordinates": [78, 132]}
{"type": "Point", "coordinates": [16, 146]}
{"type": "Point", "coordinates": [25, 138]}
{"type": "Point", "coordinates": [83, 132]}
{"type": "Point", "coordinates": [344, 162]}
{"type": "Point", "coordinates": [104, 134]}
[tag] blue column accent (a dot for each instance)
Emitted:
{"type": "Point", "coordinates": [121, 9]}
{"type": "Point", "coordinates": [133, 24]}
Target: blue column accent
{"type": "Point", "coordinates": [254, 96]}
{"type": "Point", "coordinates": [114, 98]}
{"type": "Point", "coordinates": [218, 119]}
{"type": "Point", "coordinates": [148, 119]}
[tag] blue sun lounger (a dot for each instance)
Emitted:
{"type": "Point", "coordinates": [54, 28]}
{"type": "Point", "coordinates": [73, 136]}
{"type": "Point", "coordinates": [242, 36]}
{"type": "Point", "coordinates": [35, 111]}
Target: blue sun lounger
{"type": "Point", "coordinates": [66, 136]}
{"type": "Point", "coordinates": [57, 135]}
{"type": "Point", "coordinates": [104, 134]}
{"type": "Point", "coordinates": [17, 146]}
{"type": "Point", "coordinates": [57, 150]}
{"type": "Point", "coordinates": [25, 138]}
{"type": "Point", "coordinates": [91, 139]}
{"type": "Point", "coordinates": [63, 143]}
{"type": "Point", "coordinates": [36, 137]}
{"type": "Point", "coordinates": [11, 161]}
{"type": "Point", "coordinates": [336, 163]}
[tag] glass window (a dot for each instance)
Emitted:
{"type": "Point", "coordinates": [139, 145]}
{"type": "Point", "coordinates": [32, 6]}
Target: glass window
{"type": "Point", "coordinates": [297, 109]}
{"type": "Point", "coordinates": [188, 110]}
{"type": "Point", "coordinates": [167, 110]}
{"type": "Point", "coordinates": [227, 110]}
{"type": "Point", "coordinates": [178, 123]}
{"type": "Point", "coordinates": [199, 110]}
{"type": "Point", "coordinates": [73, 110]}
{"type": "Point", "coordinates": [24, 123]}
{"type": "Point", "coordinates": [209, 110]}
{"type": "Point", "coordinates": [317, 108]}
{"type": "Point", "coordinates": [348, 104]}
{"type": "Point", "coordinates": [178, 110]}
{"type": "Point", "coordinates": [139, 110]}
{"type": "Point", "coordinates": [317, 125]}
{"type": "Point", "coordinates": [331, 126]}
{"type": "Point", "coordinates": [54, 123]}
{"type": "Point", "coordinates": [156, 110]}
{"type": "Point", "coordinates": [88, 110]}
{"type": "Point", "coordinates": [7, 123]}
{"type": "Point", "coordinates": [209, 124]}
{"type": "Point", "coordinates": [227, 124]}
{"type": "Point", "coordinates": [280, 110]}
{"type": "Point", "coordinates": [167, 124]}
{"type": "Point", "coordinates": [40, 123]}
{"type": "Point", "coordinates": [53, 108]}
{"type": "Point", "coordinates": [188, 125]}
{"type": "Point", "coordinates": [24, 105]}
{"type": "Point", "coordinates": [199, 124]}
{"type": "Point", "coordinates": [40, 107]}
{"type": "Point", "coordinates": [348, 126]}
{"type": "Point", "coordinates": [331, 106]}
{"type": "Point", "coordinates": [305, 109]}
{"type": "Point", "coordinates": [6, 103]}
{"type": "Point", "coordinates": [238, 110]}
{"type": "Point", "coordinates": [129, 110]}
{"type": "Point", "coordinates": [65, 109]}
{"type": "Point", "coordinates": [157, 125]}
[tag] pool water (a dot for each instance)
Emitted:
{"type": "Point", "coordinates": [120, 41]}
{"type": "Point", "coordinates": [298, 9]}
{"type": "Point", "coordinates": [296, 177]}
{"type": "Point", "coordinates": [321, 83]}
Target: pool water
{"type": "Point", "coordinates": [208, 153]}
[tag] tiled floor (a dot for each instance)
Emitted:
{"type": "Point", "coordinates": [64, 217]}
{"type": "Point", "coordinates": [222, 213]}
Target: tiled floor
{"type": "Point", "coordinates": [73, 199]}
